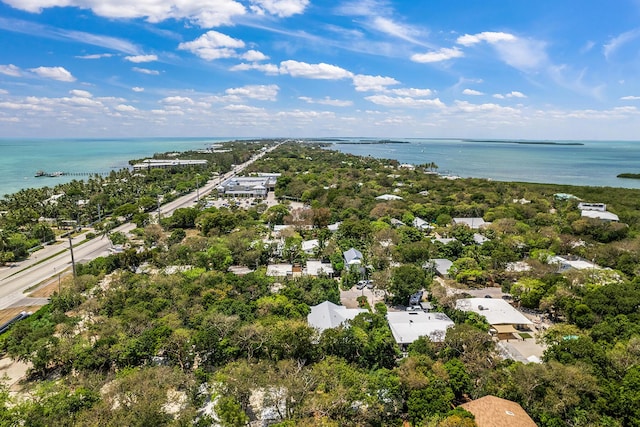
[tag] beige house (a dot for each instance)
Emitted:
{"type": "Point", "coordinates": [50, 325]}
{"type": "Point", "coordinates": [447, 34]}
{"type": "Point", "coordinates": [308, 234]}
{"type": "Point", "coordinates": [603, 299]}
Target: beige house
{"type": "Point", "coordinates": [492, 411]}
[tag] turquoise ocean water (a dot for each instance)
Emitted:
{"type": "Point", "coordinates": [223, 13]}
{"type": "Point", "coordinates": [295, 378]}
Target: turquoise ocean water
{"type": "Point", "coordinates": [594, 163]}
{"type": "Point", "coordinates": [20, 159]}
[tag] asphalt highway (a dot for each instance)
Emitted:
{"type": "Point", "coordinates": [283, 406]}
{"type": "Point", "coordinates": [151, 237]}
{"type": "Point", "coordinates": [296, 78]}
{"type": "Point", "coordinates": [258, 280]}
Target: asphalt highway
{"type": "Point", "coordinates": [53, 260]}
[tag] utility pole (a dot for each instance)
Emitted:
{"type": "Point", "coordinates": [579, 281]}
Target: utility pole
{"type": "Point", "coordinates": [73, 261]}
{"type": "Point", "coordinates": [197, 188]}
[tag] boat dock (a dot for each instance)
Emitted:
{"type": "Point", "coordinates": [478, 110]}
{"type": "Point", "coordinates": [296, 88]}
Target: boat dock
{"type": "Point", "coordinates": [41, 174]}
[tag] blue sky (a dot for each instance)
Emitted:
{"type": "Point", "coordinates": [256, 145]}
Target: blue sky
{"type": "Point", "coordinates": [299, 68]}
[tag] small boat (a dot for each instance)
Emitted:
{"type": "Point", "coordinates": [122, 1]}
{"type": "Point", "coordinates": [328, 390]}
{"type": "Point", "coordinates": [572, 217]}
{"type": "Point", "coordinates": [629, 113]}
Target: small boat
{"type": "Point", "coordinates": [40, 173]}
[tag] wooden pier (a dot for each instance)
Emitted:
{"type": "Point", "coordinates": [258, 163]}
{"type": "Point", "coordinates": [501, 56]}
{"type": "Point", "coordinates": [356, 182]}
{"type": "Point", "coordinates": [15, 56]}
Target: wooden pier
{"type": "Point", "coordinates": [43, 174]}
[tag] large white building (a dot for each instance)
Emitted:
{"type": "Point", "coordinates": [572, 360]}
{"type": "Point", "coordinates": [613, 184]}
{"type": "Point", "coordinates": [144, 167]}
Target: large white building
{"type": "Point", "coordinates": [247, 186]}
{"type": "Point", "coordinates": [149, 164]}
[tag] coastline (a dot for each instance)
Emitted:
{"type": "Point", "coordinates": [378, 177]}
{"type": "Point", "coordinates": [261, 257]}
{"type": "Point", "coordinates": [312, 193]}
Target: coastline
{"type": "Point", "coordinates": [592, 163]}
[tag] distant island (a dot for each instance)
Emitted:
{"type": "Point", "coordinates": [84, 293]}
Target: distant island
{"type": "Point", "coordinates": [523, 142]}
{"type": "Point", "coordinates": [629, 175]}
{"type": "Point", "coordinates": [382, 141]}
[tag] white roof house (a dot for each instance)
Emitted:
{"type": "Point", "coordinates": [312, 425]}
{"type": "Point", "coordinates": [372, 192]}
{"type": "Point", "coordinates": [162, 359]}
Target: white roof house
{"type": "Point", "coordinates": [473, 223]}
{"type": "Point", "coordinates": [408, 326]}
{"type": "Point", "coordinates": [603, 215]}
{"type": "Point", "coordinates": [328, 315]}
{"type": "Point", "coordinates": [479, 238]}
{"type": "Point", "coordinates": [308, 246]}
{"type": "Point", "coordinates": [277, 228]}
{"type": "Point", "coordinates": [334, 227]}
{"type": "Point", "coordinates": [388, 197]}
{"type": "Point", "coordinates": [444, 240]}
{"type": "Point", "coordinates": [421, 224]}
{"type": "Point", "coordinates": [279, 270]}
{"type": "Point", "coordinates": [148, 164]}
{"type": "Point", "coordinates": [496, 311]}
{"type": "Point", "coordinates": [317, 268]}
{"type": "Point", "coordinates": [601, 207]}
{"type": "Point", "coordinates": [568, 262]}
{"type": "Point", "coordinates": [441, 265]}
{"type": "Point", "coordinates": [396, 222]}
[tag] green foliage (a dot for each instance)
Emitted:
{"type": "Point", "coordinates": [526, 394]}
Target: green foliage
{"type": "Point", "coordinates": [406, 280]}
{"type": "Point", "coordinates": [230, 412]}
{"type": "Point", "coordinates": [126, 348]}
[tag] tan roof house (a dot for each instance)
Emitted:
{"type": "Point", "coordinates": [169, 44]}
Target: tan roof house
{"type": "Point", "coordinates": [492, 411]}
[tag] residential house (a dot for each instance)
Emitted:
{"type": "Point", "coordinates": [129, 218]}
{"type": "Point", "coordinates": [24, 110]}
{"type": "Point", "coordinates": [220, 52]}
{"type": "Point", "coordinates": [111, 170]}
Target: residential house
{"type": "Point", "coordinates": [280, 270]}
{"type": "Point", "coordinates": [604, 216]}
{"type": "Point", "coordinates": [479, 238]}
{"type": "Point", "coordinates": [389, 197]}
{"type": "Point", "coordinates": [408, 326]}
{"type": "Point", "coordinates": [396, 222]}
{"type": "Point", "coordinates": [596, 211]}
{"type": "Point", "coordinates": [421, 224]}
{"type": "Point", "coordinates": [239, 270]}
{"type": "Point", "coordinates": [352, 257]}
{"type": "Point", "coordinates": [327, 315]}
{"type": "Point", "coordinates": [334, 227]}
{"type": "Point", "coordinates": [444, 240]}
{"type": "Point", "coordinates": [309, 246]}
{"type": "Point", "coordinates": [569, 262]}
{"type": "Point", "coordinates": [492, 411]}
{"type": "Point", "coordinates": [317, 268]}
{"type": "Point", "coordinates": [440, 266]}
{"type": "Point", "coordinates": [503, 318]}
{"type": "Point", "coordinates": [473, 223]}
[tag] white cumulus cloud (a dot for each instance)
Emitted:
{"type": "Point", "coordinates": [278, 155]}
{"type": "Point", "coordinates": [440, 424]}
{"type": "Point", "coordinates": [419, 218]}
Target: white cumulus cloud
{"type": "Point", "coordinates": [413, 92]}
{"type": "Point", "coordinates": [512, 94]}
{"type": "Point", "coordinates": [281, 8]}
{"type": "Point", "coordinates": [472, 92]}
{"type": "Point", "coordinates": [80, 93]}
{"type": "Point", "coordinates": [137, 89]}
{"type": "Point", "coordinates": [487, 36]}
{"type": "Point", "coordinates": [126, 108]}
{"type": "Point", "coordinates": [254, 56]}
{"type": "Point", "coordinates": [467, 107]}
{"type": "Point", "coordinates": [54, 73]}
{"type": "Point", "coordinates": [177, 100]}
{"type": "Point", "coordinates": [270, 69]}
{"type": "Point", "coordinates": [141, 58]}
{"type": "Point", "coordinates": [400, 101]}
{"type": "Point", "coordinates": [205, 13]}
{"type": "Point", "coordinates": [213, 45]}
{"type": "Point", "coordinates": [630, 98]}
{"type": "Point", "coordinates": [326, 101]}
{"type": "Point", "coordinates": [259, 92]}
{"type": "Point", "coordinates": [440, 55]}
{"type": "Point", "coordinates": [319, 71]}
{"type": "Point", "coordinates": [10, 70]}
{"type": "Point", "coordinates": [239, 108]}
{"type": "Point", "coordinates": [365, 83]}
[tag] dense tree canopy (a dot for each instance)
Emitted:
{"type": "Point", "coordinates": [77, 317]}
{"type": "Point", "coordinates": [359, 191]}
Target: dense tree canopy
{"type": "Point", "coordinates": [152, 335]}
